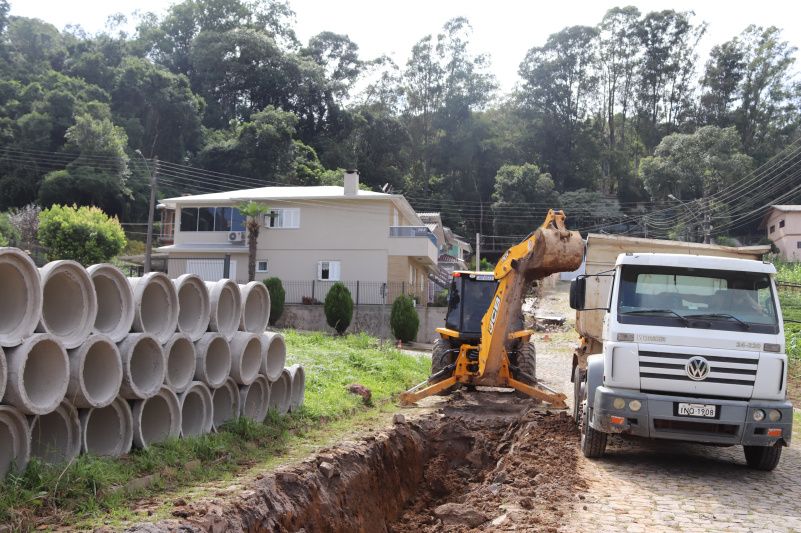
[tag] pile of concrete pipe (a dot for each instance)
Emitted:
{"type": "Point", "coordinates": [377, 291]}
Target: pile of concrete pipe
{"type": "Point", "coordinates": [94, 362]}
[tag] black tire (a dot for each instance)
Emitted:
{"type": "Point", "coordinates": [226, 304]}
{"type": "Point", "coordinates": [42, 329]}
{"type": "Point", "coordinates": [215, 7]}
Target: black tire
{"type": "Point", "coordinates": [441, 356]}
{"type": "Point", "coordinates": [578, 394]}
{"type": "Point", "coordinates": [526, 362]}
{"type": "Point", "coordinates": [763, 457]}
{"type": "Point", "coordinates": [593, 442]}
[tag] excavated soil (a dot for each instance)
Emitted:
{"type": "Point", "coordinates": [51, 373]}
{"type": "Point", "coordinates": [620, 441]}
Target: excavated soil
{"type": "Point", "coordinates": [485, 461]}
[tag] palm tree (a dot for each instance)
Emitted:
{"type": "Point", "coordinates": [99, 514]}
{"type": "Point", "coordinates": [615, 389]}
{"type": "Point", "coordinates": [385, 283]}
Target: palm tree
{"type": "Point", "coordinates": [252, 211]}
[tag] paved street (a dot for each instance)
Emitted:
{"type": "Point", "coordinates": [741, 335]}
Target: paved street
{"type": "Point", "coordinates": [664, 486]}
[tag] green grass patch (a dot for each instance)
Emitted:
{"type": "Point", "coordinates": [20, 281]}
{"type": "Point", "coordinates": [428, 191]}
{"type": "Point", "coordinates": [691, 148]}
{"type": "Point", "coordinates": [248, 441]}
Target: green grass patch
{"type": "Point", "coordinates": [93, 489]}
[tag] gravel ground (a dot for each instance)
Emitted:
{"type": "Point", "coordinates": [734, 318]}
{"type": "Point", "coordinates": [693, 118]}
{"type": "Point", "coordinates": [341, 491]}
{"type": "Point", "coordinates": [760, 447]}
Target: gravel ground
{"type": "Point", "coordinates": [665, 486]}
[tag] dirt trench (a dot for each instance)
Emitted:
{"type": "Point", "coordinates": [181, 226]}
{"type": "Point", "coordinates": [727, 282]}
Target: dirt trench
{"type": "Point", "coordinates": [484, 461]}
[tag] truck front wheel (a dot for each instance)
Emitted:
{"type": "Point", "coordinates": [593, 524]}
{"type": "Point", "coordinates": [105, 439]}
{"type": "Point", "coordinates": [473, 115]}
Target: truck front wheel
{"type": "Point", "coordinates": [593, 442]}
{"type": "Point", "coordinates": [763, 457]}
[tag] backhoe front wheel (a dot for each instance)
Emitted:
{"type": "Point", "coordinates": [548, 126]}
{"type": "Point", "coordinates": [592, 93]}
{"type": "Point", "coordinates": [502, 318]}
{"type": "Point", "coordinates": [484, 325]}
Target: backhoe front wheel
{"type": "Point", "coordinates": [593, 442]}
{"type": "Point", "coordinates": [526, 364]}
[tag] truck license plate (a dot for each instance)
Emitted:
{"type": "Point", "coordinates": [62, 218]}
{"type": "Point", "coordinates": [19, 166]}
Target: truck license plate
{"type": "Point", "coordinates": [697, 409]}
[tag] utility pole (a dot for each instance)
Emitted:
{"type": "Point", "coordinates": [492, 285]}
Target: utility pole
{"type": "Point", "coordinates": [151, 209]}
{"type": "Point", "coordinates": [478, 251]}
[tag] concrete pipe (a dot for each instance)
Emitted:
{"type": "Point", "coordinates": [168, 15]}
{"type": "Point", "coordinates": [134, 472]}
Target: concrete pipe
{"type": "Point", "coordinates": [155, 306]}
{"type": "Point", "coordinates": [156, 419]}
{"type": "Point", "coordinates": [56, 436]}
{"type": "Point", "coordinates": [38, 374]}
{"type": "Point", "coordinates": [281, 393]}
{"type": "Point", "coordinates": [193, 305]}
{"type": "Point", "coordinates": [225, 402]}
{"type": "Point", "coordinates": [180, 354]}
{"type": "Point", "coordinates": [273, 354]}
{"type": "Point", "coordinates": [197, 410]}
{"type": "Point", "coordinates": [255, 307]}
{"type": "Point", "coordinates": [95, 373]}
{"type": "Point", "coordinates": [143, 366]}
{"type": "Point", "coordinates": [254, 399]}
{"type": "Point", "coordinates": [226, 307]}
{"type": "Point", "coordinates": [21, 303]}
{"type": "Point", "coordinates": [69, 303]}
{"type": "Point", "coordinates": [298, 376]}
{"type": "Point", "coordinates": [246, 357]}
{"type": "Point", "coordinates": [115, 301]}
{"type": "Point", "coordinates": [3, 373]}
{"type": "Point", "coordinates": [107, 431]}
{"type": "Point", "coordinates": [213, 359]}
{"type": "Point", "coordinates": [15, 441]}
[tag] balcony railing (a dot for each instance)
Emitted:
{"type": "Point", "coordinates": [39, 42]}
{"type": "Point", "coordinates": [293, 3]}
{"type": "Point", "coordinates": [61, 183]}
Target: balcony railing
{"type": "Point", "coordinates": [412, 231]}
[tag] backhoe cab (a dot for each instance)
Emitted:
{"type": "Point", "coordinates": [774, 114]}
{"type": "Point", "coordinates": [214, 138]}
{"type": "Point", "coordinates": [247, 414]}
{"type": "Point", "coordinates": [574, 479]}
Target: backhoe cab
{"type": "Point", "coordinates": [483, 341]}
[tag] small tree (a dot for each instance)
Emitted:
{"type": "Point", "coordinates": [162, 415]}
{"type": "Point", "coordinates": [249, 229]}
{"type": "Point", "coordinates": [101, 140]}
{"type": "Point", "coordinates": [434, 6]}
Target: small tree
{"type": "Point", "coordinates": [277, 296]}
{"type": "Point", "coordinates": [83, 234]}
{"type": "Point", "coordinates": [7, 230]}
{"type": "Point", "coordinates": [404, 320]}
{"type": "Point", "coordinates": [252, 211]}
{"type": "Point", "coordinates": [338, 307]}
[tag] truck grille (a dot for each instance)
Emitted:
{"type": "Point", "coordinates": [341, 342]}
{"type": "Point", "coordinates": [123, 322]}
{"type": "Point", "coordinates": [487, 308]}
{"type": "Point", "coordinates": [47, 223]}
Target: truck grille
{"type": "Point", "coordinates": [729, 375]}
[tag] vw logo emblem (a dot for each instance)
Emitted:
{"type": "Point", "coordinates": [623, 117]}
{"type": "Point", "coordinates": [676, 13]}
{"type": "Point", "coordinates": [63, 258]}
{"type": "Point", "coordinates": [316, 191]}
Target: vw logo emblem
{"type": "Point", "coordinates": [697, 368]}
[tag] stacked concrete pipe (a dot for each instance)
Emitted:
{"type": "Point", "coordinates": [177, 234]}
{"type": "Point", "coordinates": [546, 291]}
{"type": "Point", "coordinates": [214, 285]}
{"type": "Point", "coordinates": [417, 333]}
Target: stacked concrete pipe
{"type": "Point", "coordinates": [95, 373]}
{"type": "Point", "coordinates": [225, 401]}
{"type": "Point", "coordinates": [193, 304]}
{"type": "Point", "coordinates": [197, 410]}
{"type": "Point", "coordinates": [143, 366]}
{"type": "Point", "coordinates": [155, 306]}
{"type": "Point", "coordinates": [38, 374]}
{"type": "Point", "coordinates": [115, 301]}
{"type": "Point", "coordinates": [21, 303]}
{"type": "Point", "coordinates": [15, 441]}
{"type": "Point", "coordinates": [254, 399]}
{"type": "Point", "coordinates": [156, 419]}
{"type": "Point", "coordinates": [69, 303]}
{"type": "Point", "coordinates": [213, 360]}
{"type": "Point", "coordinates": [181, 359]}
{"type": "Point", "coordinates": [246, 357]}
{"type": "Point", "coordinates": [273, 355]}
{"type": "Point", "coordinates": [281, 393]}
{"type": "Point", "coordinates": [255, 307]}
{"type": "Point", "coordinates": [56, 436]}
{"type": "Point", "coordinates": [298, 376]}
{"type": "Point", "coordinates": [107, 431]}
{"type": "Point", "coordinates": [226, 307]}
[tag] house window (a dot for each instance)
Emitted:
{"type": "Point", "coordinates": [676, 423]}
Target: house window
{"type": "Point", "coordinates": [189, 219]}
{"type": "Point", "coordinates": [212, 219]}
{"type": "Point", "coordinates": [772, 229]}
{"type": "Point", "coordinates": [261, 266]}
{"type": "Point", "coordinates": [781, 223]}
{"type": "Point", "coordinates": [798, 244]}
{"type": "Point", "coordinates": [328, 270]}
{"type": "Point", "coordinates": [284, 218]}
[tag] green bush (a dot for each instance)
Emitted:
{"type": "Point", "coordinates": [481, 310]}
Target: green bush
{"type": "Point", "coordinates": [277, 296]}
{"type": "Point", "coordinates": [83, 234]}
{"type": "Point", "coordinates": [403, 319]}
{"type": "Point", "coordinates": [338, 307]}
{"type": "Point", "coordinates": [7, 230]}
{"type": "Point", "coordinates": [440, 299]}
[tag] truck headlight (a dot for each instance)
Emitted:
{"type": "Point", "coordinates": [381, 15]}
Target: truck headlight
{"type": "Point", "coordinates": [759, 415]}
{"type": "Point", "coordinates": [618, 403]}
{"type": "Point", "coordinates": [635, 405]}
{"type": "Point", "coordinates": [774, 415]}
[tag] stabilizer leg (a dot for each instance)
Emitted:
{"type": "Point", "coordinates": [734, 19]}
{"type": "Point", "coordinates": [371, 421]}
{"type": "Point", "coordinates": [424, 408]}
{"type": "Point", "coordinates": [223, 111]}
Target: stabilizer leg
{"type": "Point", "coordinates": [556, 399]}
{"type": "Point", "coordinates": [418, 392]}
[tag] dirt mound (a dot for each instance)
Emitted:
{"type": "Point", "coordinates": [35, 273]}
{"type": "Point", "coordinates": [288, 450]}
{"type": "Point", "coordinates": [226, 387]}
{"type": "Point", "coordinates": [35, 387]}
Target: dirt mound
{"type": "Point", "coordinates": [486, 460]}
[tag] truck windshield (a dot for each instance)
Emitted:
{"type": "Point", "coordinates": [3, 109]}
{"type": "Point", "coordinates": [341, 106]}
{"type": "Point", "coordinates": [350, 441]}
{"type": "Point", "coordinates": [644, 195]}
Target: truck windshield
{"type": "Point", "coordinates": [710, 299]}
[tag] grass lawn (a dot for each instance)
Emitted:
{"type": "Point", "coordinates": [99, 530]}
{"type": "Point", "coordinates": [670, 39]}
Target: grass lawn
{"type": "Point", "coordinates": [92, 491]}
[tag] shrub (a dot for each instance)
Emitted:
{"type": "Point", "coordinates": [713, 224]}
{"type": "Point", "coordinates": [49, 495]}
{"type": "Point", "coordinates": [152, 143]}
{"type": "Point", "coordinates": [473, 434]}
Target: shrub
{"type": "Point", "coordinates": [440, 299]}
{"type": "Point", "coordinates": [338, 307]}
{"type": "Point", "coordinates": [84, 234]}
{"type": "Point", "coordinates": [404, 320]}
{"type": "Point", "coordinates": [7, 231]}
{"type": "Point", "coordinates": [277, 296]}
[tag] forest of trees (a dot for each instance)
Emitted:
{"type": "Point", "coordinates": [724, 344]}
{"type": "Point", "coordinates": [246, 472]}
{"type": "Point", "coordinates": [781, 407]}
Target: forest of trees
{"type": "Point", "coordinates": [610, 122]}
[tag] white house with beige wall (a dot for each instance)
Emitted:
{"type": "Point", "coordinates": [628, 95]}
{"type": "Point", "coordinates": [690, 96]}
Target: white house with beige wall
{"type": "Point", "coordinates": [782, 224]}
{"type": "Point", "coordinates": [321, 234]}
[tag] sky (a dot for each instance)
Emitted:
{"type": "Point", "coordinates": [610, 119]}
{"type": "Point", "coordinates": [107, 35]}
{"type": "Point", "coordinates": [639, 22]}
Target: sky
{"type": "Point", "coordinates": [504, 29]}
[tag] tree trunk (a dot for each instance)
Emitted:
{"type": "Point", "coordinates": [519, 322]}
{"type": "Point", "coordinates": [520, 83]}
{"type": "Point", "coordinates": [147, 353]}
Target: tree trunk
{"type": "Point", "coordinates": [253, 237]}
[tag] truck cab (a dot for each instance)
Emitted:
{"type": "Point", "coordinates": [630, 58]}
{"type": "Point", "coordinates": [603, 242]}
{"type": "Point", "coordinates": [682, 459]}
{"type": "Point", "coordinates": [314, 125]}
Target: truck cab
{"type": "Point", "coordinates": [691, 348]}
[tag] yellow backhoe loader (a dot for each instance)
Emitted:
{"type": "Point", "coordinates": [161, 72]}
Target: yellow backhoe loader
{"type": "Point", "coordinates": [483, 341]}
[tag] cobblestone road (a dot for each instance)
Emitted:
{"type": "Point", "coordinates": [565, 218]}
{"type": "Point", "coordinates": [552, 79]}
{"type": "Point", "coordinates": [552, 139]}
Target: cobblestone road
{"type": "Point", "coordinates": [663, 486]}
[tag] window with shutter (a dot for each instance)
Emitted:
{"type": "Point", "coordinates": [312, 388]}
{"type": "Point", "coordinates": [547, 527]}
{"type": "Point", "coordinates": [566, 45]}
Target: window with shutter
{"type": "Point", "coordinates": [282, 218]}
{"type": "Point", "coordinates": [328, 271]}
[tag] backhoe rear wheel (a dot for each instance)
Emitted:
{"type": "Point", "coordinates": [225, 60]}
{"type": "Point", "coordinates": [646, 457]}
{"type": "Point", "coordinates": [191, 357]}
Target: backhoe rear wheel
{"type": "Point", "coordinates": [441, 356]}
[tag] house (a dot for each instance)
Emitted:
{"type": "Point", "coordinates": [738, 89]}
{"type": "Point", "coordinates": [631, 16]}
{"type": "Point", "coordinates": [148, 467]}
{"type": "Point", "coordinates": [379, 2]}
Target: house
{"type": "Point", "coordinates": [453, 249]}
{"type": "Point", "coordinates": [310, 237]}
{"type": "Point", "coordinates": [783, 226]}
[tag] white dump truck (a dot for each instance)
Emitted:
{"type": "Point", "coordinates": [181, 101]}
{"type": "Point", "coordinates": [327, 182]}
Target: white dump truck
{"type": "Point", "coordinates": [680, 341]}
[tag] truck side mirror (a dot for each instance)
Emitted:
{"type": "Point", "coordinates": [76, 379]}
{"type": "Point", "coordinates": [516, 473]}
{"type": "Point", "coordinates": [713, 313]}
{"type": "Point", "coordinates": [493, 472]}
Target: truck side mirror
{"type": "Point", "coordinates": [577, 289]}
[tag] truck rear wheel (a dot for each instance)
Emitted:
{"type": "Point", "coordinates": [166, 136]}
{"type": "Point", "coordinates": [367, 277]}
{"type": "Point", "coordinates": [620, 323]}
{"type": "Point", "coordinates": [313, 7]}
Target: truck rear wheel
{"type": "Point", "coordinates": [593, 442]}
{"type": "Point", "coordinates": [763, 457]}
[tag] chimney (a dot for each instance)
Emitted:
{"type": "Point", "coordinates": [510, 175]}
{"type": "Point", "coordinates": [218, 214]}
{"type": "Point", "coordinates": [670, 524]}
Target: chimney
{"type": "Point", "coordinates": [351, 182]}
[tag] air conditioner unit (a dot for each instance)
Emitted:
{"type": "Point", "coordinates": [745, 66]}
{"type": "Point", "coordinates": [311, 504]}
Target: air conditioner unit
{"type": "Point", "coordinates": [236, 236]}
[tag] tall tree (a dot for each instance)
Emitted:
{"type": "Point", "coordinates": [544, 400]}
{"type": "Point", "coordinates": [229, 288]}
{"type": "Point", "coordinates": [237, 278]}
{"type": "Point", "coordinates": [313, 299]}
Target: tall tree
{"type": "Point", "coordinates": [252, 211]}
